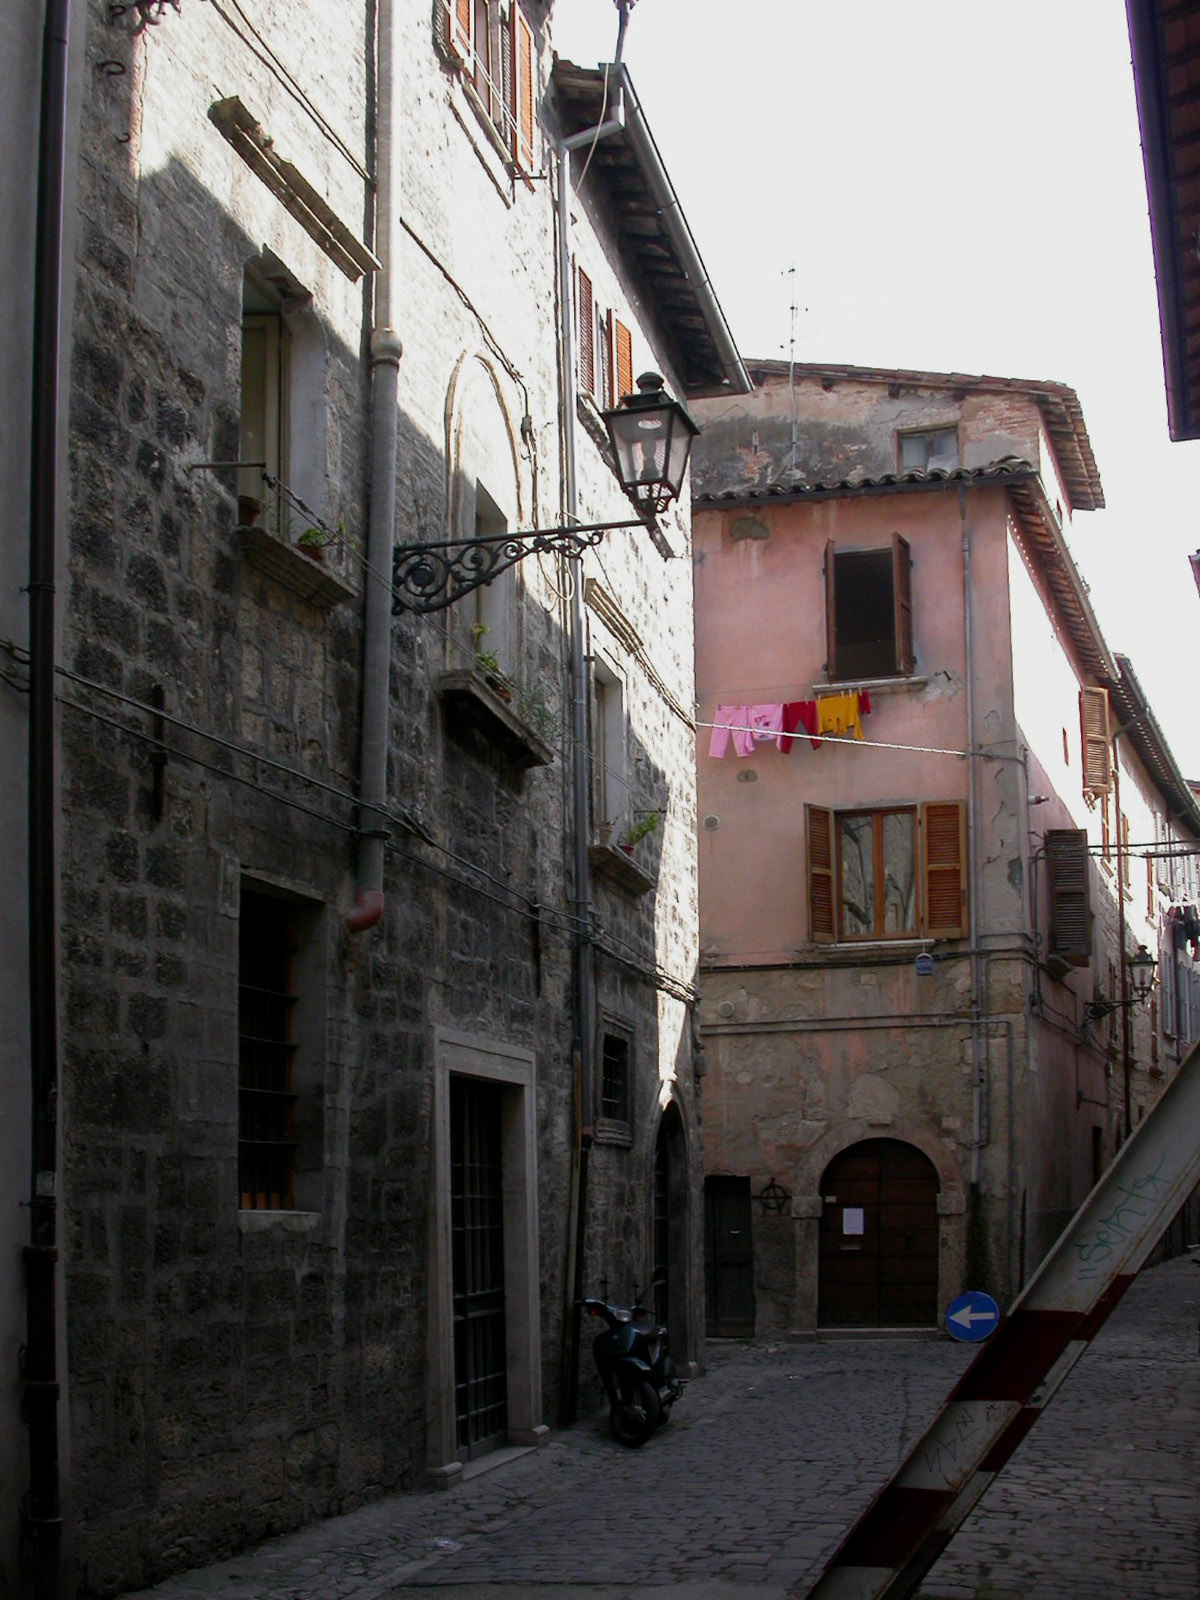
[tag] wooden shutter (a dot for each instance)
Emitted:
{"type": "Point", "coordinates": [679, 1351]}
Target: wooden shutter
{"type": "Point", "coordinates": [822, 882]}
{"type": "Point", "coordinates": [459, 17]}
{"type": "Point", "coordinates": [586, 319]}
{"type": "Point", "coordinates": [623, 345]}
{"type": "Point", "coordinates": [830, 610]}
{"type": "Point", "coordinates": [523, 95]}
{"type": "Point", "coordinates": [902, 602]}
{"type": "Point", "coordinates": [944, 865]}
{"type": "Point", "coordinates": [1070, 896]}
{"type": "Point", "coordinates": [1097, 741]}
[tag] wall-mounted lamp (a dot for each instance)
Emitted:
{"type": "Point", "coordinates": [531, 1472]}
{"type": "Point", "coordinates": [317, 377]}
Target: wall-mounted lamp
{"type": "Point", "coordinates": [651, 438]}
{"type": "Point", "coordinates": [1141, 966]}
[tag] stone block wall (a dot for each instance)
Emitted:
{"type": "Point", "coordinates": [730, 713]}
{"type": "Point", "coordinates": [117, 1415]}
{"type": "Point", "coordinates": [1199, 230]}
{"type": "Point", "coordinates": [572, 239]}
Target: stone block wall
{"type": "Point", "coordinates": [234, 1373]}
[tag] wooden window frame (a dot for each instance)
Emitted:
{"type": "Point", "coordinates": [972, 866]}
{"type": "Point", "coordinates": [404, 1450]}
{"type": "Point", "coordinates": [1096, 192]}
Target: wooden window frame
{"type": "Point", "coordinates": [940, 866]}
{"type": "Point", "coordinates": [603, 347]}
{"type": "Point", "coordinates": [903, 651]}
{"type": "Point", "coordinates": [614, 1117]}
{"type": "Point", "coordinates": [500, 69]}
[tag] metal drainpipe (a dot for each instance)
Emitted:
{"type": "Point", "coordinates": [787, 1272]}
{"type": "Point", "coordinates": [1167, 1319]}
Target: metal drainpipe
{"type": "Point", "coordinates": [1122, 971]}
{"type": "Point", "coordinates": [42, 1510]}
{"type": "Point", "coordinates": [585, 984]}
{"type": "Point", "coordinates": [977, 963]}
{"type": "Point", "coordinates": [386, 350]}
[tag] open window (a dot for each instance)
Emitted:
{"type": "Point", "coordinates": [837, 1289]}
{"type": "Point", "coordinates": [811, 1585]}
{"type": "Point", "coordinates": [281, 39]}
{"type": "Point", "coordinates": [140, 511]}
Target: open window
{"type": "Point", "coordinates": [888, 872]}
{"type": "Point", "coordinates": [611, 795]}
{"type": "Point", "coordinates": [604, 361]}
{"type": "Point", "coordinates": [282, 484]}
{"type": "Point", "coordinates": [492, 43]}
{"type": "Point", "coordinates": [494, 626]}
{"type": "Point", "coordinates": [868, 612]}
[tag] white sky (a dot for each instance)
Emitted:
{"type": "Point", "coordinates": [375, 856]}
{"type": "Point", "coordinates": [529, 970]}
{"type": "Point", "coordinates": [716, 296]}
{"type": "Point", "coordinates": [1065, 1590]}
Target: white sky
{"type": "Point", "coordinates": [959, 188]}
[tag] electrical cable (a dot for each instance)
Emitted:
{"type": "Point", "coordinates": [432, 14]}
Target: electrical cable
{"type": "Point", "coordinates": [277, 69]}
{"type": "Point", "coordinates": [510, 899]}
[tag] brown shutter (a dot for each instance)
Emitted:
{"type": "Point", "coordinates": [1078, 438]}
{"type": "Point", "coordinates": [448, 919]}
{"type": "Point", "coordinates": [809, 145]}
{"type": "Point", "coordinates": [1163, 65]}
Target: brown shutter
{"type": "Point", "coordinates": [822, 901]}
{"type": "Point", "coordinates": [944, 861]}
{"type": "Point", "coordinates": [459, 15]}
{"type": "Point", "coordinates": [623, 340]}
{"type": "Point", "coordinates": [586, 318]}
{"type": "Point", "coordinates": [902, 601]}
{"type": "Point", "coordinates": [1097, 743]}
{"type": "Point", "coordinates": [830, 611]}
{"type": "Point", "coordinates": [523, 96]}
{"type": "Point", "coordinates": [1070, 896]}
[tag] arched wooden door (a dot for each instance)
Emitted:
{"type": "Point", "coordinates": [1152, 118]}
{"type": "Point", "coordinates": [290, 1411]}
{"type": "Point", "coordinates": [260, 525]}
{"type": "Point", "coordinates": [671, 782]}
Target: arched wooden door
{"type": "Point", "coordinates": [878, 1249]}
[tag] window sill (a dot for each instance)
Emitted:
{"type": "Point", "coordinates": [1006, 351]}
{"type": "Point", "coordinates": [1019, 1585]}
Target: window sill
{"type": "Point", "coordinates": [912, 684]}
{"type": "Point", "coordinates": [263, 1221]}
{"type": "Point", "coordinates": [469, 700]}
{"type": "Point", "coordinates": [288, 566]}
{"type": "Point", "coordinates": [619, 868]}
{"type": "Point", "coordinates": [610, 1131]}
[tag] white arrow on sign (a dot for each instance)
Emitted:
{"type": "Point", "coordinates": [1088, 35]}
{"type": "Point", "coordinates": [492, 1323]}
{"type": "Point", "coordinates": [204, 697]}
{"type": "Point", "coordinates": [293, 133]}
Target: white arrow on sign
{"type": "Point", "coordinates": [967, 1316]}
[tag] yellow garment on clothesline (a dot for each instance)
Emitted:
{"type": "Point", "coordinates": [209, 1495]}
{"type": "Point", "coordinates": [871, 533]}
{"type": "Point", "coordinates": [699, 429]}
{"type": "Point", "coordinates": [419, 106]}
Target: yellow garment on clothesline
{"type": "Point", "coordinates": [839, 713]}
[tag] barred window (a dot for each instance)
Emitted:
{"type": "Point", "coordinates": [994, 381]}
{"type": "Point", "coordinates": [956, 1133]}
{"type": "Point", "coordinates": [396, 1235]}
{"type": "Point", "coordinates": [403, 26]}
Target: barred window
{"type": "Point", "coordinates": [281, 1055]}
{"type": "Point", "coordinates": [266, 1100]}
{"type": "Point", "coordinates": [614, 1079]}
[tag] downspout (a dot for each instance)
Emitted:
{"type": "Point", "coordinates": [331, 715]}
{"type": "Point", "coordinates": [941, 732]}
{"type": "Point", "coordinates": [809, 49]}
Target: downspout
{"type": "Point", "coordinates": [974, 1242]}
{"type": "Point", "coordinates": [585, 980]}
{"type": "Point", "coordinates": [1122, 971]}
{"type": "Point", "coordinates": [42, 1516]}
{"type": "Point", "coordinates": [386, 350]}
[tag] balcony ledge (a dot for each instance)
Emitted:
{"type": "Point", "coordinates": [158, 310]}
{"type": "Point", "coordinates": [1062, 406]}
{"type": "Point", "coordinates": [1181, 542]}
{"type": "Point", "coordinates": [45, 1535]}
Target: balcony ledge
{"type": "Point", "coordinates": [467, 696]}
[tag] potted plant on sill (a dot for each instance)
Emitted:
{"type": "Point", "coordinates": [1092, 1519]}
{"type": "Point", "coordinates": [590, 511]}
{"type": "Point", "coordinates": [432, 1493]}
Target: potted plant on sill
{"type": "Point", "coordinates": [488, 666]}
{"type": "Point", "coordinates": [647, 822]}
{"type": "Point", "coordinates": [317, 538]}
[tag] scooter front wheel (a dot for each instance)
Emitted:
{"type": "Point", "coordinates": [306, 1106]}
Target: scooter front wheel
{"type": "Point", "coordinates": [635, 1415]}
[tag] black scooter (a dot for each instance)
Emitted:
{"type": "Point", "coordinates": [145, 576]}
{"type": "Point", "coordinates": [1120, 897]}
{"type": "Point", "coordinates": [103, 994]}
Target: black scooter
{"type": "Point", "coordinates": [635, 1367]}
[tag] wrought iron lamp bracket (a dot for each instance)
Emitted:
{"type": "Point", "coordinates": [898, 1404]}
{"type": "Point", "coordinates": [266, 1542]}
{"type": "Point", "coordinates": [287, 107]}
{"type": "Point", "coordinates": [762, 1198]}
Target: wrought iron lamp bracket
{"type": "Point", "coordinates": [429, 577]}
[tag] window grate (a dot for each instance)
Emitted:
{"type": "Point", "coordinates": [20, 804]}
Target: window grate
{"type": "Point", "coordinates": [266, 1102]}
{"type": "Point", "coordinates": [614, 1078]}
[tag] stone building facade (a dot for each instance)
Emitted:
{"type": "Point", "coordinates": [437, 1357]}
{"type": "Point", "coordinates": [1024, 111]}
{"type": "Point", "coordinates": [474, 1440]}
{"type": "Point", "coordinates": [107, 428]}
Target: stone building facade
{"type": "Point", "coordinates": [359, 1085]}
{"type": "Point", "coordinates": [916, 941]}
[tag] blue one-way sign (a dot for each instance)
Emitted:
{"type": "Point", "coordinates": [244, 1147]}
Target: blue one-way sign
{"type": "Point", "coordinates": [972, 1316]}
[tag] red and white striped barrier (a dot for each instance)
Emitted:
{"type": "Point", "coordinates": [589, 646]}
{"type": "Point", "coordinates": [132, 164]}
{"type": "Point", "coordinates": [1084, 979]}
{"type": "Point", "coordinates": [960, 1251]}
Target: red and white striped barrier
{"type": "Point", "coordinates": [1003, 1392]}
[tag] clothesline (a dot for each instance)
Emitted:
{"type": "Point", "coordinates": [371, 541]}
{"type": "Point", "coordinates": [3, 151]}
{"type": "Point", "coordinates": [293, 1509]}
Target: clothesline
{"type": "Point", "coordinates": [836, 738]}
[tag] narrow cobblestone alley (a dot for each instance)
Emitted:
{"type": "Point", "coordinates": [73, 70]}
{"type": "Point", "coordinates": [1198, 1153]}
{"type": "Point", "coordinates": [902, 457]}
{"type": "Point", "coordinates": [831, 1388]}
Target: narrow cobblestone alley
{"type": "Point", "coordinates": [766, 1461]}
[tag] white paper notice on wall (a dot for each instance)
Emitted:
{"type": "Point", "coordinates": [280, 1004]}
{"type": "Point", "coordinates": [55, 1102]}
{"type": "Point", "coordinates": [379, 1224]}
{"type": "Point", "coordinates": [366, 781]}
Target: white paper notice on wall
{"type": "Point", "coordinates": [852, 1219]}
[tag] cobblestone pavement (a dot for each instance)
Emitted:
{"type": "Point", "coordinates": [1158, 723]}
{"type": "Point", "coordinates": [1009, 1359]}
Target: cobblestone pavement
{"type": "Point", "coordinates": [767, 1460]}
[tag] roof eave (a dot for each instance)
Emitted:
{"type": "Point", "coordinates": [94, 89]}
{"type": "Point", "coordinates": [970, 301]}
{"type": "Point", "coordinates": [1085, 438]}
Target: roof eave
{"type": "Point", "coordinates": [639, 144]}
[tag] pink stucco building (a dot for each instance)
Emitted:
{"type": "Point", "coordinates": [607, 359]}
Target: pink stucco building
{"type": "Point", "coordinates": [915, 936]}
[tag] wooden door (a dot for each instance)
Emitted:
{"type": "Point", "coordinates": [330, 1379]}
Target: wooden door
{"type": "Point", "coordinates": [728, 1258]}
{"type": "Point", "coordinates": [878, 1255]}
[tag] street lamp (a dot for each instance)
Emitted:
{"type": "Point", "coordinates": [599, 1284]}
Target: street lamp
{"type": "Point", "coordinates": [651, 437]}
{"type": "Point", "coordinates": [1141, 966]}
